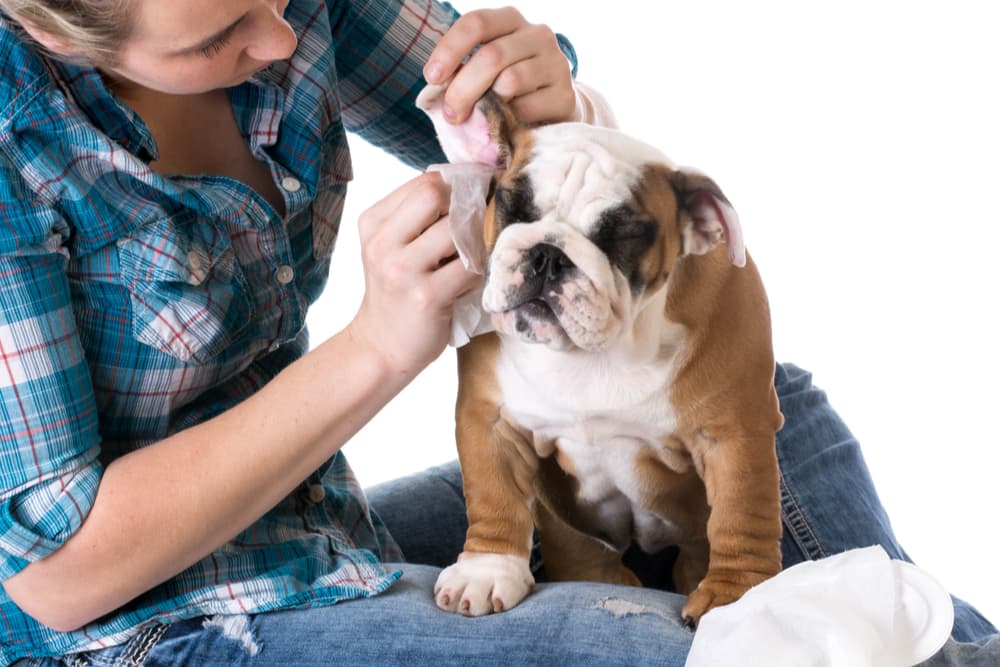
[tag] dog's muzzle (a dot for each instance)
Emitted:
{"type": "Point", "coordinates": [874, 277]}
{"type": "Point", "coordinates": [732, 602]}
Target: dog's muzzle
{"type": "Point", "coordinates": [550, 285]}
{"type": "Point", "coordinates": [545, 269]}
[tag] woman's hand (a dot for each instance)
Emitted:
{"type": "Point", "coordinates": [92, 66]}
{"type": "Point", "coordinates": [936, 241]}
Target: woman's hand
{"type": "Point", "coordinates": [520, 61]}
{"type": "Point", "coordinates": [412, 275]}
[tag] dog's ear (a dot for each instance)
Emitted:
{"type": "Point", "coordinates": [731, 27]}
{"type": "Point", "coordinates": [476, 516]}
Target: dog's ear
{"type": "Point", "coordinates": [705, 216]}
{"type": "Point", "coordinates": [485, 137]}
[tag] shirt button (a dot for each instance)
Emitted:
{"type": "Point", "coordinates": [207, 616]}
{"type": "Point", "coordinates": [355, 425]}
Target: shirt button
{"type": "Point", "coordinates": [290, 184]}
{"type": "Point", "coordinates": [194, 261]}
{"type": "Point", "coordinates": [316, 493]}
{"type": "Point", "coordinates": [284, 274]}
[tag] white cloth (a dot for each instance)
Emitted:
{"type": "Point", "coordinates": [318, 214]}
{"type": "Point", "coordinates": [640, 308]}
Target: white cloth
{"type": "Point", "coordinates": [855, 609]}
{"type": "Point", "coordinates": [470, 183]}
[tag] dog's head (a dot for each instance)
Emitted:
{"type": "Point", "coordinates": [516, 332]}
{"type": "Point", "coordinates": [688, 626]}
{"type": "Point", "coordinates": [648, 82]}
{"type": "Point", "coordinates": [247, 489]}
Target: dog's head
{"type": "Point", "coordinates": [584, 226]}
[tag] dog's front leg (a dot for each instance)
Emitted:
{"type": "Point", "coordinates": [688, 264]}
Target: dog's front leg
{"type": "Point", "coordinates": [744, 525]}
{"type": "Point", "coordinates": [498, 470]}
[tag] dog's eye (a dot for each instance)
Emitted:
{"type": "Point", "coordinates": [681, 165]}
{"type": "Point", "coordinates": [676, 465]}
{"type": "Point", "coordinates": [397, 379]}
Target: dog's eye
{"type": "Point", "coordinates": [515, 202]}
{"type": "Point", "coordinates": [636, 229]}
{"type": "Point", "coordinates": [622, 225]}
{"type": "Point", "coordinates": [625, 236]}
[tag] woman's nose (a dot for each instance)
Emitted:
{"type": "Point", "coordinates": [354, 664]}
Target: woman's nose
{"type": "Point", "coordinates": [274, 38]}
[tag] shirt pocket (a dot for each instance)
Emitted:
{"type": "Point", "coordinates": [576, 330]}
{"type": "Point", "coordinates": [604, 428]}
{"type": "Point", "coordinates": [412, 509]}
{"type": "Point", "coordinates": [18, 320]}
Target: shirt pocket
{"type": "Point", "coordinates": [188, 293]}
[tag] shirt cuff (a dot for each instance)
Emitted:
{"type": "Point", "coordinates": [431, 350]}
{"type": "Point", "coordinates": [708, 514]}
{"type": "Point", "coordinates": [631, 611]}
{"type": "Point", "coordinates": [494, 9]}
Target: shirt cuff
{"type": "Point", "coordinates": [36, 521]}
{"type": "Point", "coordinates": [567, 48]}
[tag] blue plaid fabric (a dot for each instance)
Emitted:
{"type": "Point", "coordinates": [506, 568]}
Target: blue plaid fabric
{"type": "Point", "coordinates": [134, 305]}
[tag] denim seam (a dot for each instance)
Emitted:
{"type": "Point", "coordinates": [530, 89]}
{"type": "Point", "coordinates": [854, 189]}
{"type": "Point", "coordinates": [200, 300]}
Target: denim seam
{"type": "Point", "coordinates": [138, 650]}
{"type": "Point", "coordinates": [797, 524]}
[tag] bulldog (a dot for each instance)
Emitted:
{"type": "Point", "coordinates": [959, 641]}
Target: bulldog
{"type": "Point", "coordinates": [627, 394]}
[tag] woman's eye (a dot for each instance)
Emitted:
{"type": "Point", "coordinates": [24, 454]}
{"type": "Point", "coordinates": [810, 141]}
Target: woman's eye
{"type": "Point", "coordinates": [216, 46]}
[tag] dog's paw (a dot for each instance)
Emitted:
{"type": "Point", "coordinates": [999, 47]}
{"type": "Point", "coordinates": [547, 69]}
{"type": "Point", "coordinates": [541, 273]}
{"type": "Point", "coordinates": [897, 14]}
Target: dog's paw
{"type": "Point", "coordinates": [480, 584]}
{"type": "Point", "coordinates": [708, 595]}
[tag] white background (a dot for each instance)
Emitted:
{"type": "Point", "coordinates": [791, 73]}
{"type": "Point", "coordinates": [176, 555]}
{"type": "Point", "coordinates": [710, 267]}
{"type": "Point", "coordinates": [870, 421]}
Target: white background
{"type": "Point", "coordinates": [859, 142]}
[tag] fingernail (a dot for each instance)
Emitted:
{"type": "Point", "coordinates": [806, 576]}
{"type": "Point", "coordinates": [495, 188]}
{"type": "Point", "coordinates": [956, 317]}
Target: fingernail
{"type": "Point", "coordinates": [433, 72]}
{"type": "Point", "coordinates": [449, 113]}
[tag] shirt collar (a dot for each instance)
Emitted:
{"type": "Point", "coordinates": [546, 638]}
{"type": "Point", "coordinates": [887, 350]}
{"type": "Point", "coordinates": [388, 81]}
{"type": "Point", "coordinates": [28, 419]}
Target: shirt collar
{"type": "Point", "coordinates": [116, 119]}
{"type": "Point", "coordinates": [107, 111]}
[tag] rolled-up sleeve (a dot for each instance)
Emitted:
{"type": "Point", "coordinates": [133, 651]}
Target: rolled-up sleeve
{"type": "Point", "coordinates": [49, 442]}
{"type": "Point", "coordinates": [381, 48]}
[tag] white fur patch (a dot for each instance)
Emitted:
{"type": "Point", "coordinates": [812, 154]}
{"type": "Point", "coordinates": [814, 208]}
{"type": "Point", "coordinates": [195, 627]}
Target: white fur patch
{"type": "Point", "coordinates": [554, 138]}
{"type": "Point", "coordinates": [482, 583]}
{"type": "Point", "coordinates": [603, 409]}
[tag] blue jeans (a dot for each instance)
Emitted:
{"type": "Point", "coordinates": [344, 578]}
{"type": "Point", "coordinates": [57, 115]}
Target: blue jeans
{"type": "Point", "coordinates": [828, 505]}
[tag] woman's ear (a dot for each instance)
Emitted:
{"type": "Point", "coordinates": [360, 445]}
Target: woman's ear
{"type": "Point", "coordinates": [59, 46]}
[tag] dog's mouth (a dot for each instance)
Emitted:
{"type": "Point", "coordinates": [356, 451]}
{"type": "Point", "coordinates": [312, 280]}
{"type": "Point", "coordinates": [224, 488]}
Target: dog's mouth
{"type": "Point", "coordinates": [534, 320]}
{"type": "Point", "coordinates": [537, 309]}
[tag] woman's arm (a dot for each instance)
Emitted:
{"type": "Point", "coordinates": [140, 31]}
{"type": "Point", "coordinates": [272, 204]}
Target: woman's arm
{"type": "Point", "coordinates": [161, 508]}
{"type": "Point", "coordinates": [384, 49]}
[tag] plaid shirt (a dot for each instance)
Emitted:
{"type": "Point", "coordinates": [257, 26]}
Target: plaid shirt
{"type": "Point", "coordinates": [134, 305]}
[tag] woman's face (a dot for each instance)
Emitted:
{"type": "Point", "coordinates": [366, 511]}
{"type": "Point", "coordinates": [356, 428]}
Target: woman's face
{"type": "Point", "coordinates": [193, 46]}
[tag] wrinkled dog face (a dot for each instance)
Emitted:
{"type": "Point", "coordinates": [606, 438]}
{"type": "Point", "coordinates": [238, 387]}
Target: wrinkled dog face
{"type": "Point", "coordinates": [566, 268]}
{"type": "Point", "coordinates": [584, 226]}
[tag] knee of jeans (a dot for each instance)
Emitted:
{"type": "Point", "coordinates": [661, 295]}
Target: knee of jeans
{"type": "Point", "coordinates": [789, 379]}
{"type": "Point", "coordinates": [450, 472]}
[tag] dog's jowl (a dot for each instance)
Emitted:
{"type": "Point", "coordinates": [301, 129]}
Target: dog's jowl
{"type": "Point", "coordinates": [627, 395]}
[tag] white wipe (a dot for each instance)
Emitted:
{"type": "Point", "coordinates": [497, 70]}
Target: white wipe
{"type": "Point", "coordinates": [854, 609]}
{"type": "Point", "coordinates": [470, 184]}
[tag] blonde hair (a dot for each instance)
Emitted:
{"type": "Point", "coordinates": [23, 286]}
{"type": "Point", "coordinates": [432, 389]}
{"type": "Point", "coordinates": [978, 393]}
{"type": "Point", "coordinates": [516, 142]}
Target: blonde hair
{"type": "Point", "coordinates": [96, 29]}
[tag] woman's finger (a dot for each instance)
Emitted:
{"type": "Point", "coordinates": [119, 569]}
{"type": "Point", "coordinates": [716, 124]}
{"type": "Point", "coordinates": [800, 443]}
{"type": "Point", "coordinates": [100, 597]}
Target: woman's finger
{"type": "Point", "coordinates": [554, 103]}
{"type": "Point", "coordinates": [434, 247]}
{"type": "Point", "coordinates": [406, 212]}
{"type": "Point", "coordinates": [468, 32]}
{"type": "Point", "coordinates": [481, 71]}
{"type": "Point", "coordinates": [453, 280]}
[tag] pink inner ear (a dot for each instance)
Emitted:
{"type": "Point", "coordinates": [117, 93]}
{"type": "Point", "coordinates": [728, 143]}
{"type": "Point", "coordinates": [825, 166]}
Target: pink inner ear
{"type": "Point", "coordinates": [470, 141]}
{"type": "Point", "coordinates": [709, 210]}
{"type": "Point", "coordinates": [481, 147]}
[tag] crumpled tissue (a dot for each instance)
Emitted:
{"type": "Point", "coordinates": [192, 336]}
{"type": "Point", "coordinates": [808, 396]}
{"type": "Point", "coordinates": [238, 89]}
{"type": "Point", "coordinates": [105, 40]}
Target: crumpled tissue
{"type": "Point", "coordinates": [853, 609]}
{"type": "Point", "coordinates": [470, 184]}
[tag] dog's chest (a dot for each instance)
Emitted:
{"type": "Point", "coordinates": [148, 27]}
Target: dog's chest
{"type": "Point", "coordinates": [598, 416]}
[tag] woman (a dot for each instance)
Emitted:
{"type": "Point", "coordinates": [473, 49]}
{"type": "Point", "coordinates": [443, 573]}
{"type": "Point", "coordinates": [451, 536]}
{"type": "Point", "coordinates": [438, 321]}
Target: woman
{"type": "Point", "coordinates": [173, 173]}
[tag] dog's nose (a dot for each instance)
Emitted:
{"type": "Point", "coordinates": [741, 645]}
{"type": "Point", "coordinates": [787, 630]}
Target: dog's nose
{"type": "Point", "coordinates": [548, 262]}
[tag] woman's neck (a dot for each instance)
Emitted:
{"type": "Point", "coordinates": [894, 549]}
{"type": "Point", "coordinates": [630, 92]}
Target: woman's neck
{"type": "Point", "coordinates": [197, 134]}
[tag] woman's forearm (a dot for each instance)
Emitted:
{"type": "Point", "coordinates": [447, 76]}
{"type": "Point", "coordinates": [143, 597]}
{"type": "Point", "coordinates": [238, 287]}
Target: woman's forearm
{"type": "Point", "coordinates": [162, 508]}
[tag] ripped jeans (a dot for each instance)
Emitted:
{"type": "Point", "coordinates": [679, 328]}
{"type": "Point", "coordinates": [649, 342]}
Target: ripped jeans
{"type": "Point", "coordinates": [828, 505]}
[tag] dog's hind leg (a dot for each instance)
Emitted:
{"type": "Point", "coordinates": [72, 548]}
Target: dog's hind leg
{"type": "Point", "coordinates": [570, 555]}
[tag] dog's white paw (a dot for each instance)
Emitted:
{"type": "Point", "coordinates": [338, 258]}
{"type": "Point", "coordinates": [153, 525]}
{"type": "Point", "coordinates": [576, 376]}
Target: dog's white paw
{"type": "Point", "coordinates": [479, 584]}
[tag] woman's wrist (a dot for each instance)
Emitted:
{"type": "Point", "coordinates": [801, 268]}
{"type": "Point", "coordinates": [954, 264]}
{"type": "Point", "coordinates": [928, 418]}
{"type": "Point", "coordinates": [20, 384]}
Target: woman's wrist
{"type": "Point", "coordinates": [396, 365]}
